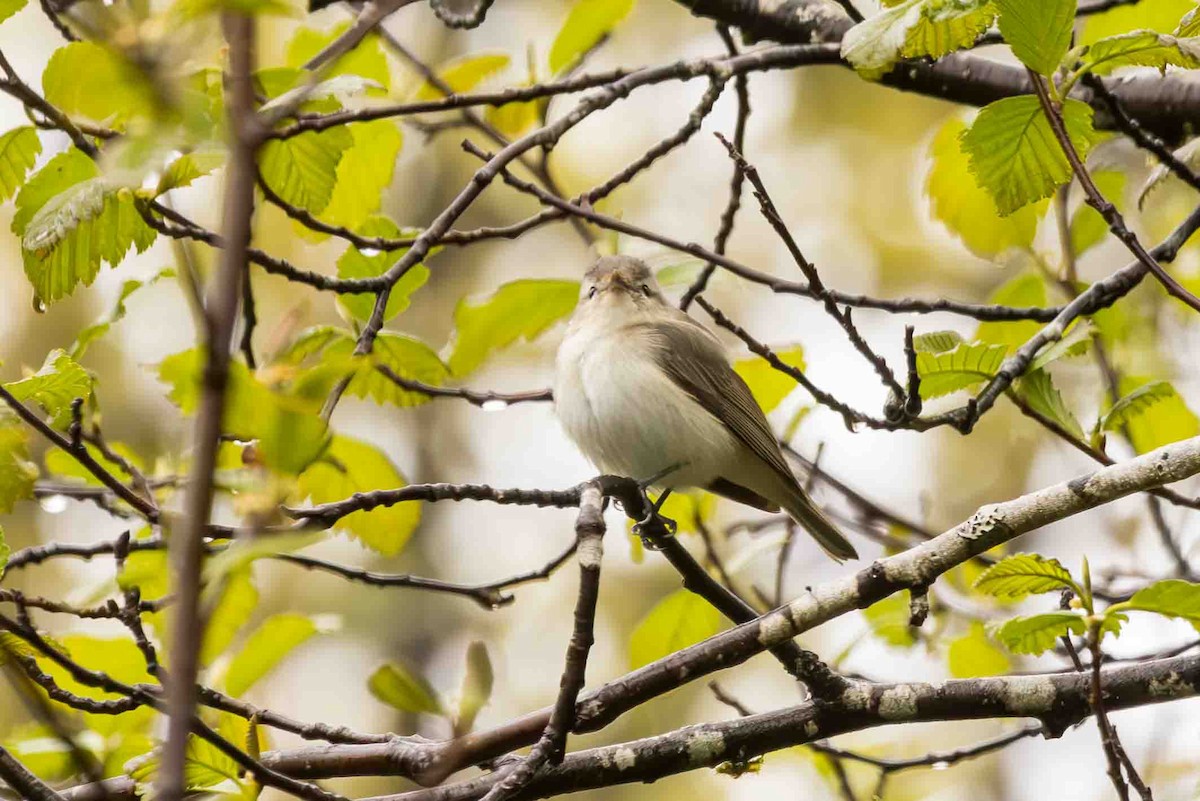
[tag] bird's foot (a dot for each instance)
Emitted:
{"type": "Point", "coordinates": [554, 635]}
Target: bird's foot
{"type": "Point", "coordinates": [652, 527]}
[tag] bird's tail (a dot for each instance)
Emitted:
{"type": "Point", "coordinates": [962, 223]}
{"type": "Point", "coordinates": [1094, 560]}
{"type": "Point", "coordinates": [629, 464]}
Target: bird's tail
{"type": "Point", "coordinates": [801, 509]}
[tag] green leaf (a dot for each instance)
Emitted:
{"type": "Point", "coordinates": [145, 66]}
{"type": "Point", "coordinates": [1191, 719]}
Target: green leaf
{"type": "Point", "coordinates": [1139, 48]}
{"type": "Point", "coordinates": [476, 688]}
{"type": "Point", "coordinates": [1135, 403]}
{"type": "Point", "coordinates": [968, 211]}
{"type": "Point", "coordinates": [354, 263]}
{"type": "Point", "coordinates": [768, 385]}
{"type": "Point", "coordinates": [10, 7]}
{"type": "Point", "coordinates": [302, 170]}
{"type": "Point", "coordinates": [205, 767]}
{"type": "Point", "coordinates": [1037, 634]}
{"type": "Point", "coordinates": [91, 80]}
{"type": "Point", "coordinates": [1166, 418]}
{"type": "Point", "coordinates": [366, 59]}
{"type": "Point", "coordinates": [889, 620]}
{"type": "Point", "coordinates": [351, 466]}
{"type": "Point", "coordinates": [1038, 390]}
{"type": "Point", "coordinates": [61, 463]}
{"type": "Point", "coordinates": [19, 149]}
{"type": "Point", "coordinates": [189, 167]}
{"type": "Point", "coordinates": [973, 655]}
{"type": "Point", "coordinates": [517, 310]}
{"type": "Point", "coordinates": [5, 551]}
{"type": "Point", "coordinates": [99, 328]}
{"type": "Point", "coordinates": [1026, 289]}
{"type": "Point", "coordinates": [1039, 31]}
{"type": "Point", "coordinates": [397, 686]}
{"type": "Point", "coordinates": [338, 89]}
{"type": "Point", "coordinates": [1013, 152]}
{"type": "Point", "coordinates": [1189, 154]}
{"type": "Point", "coordinates": [464, 74]}
{"type": "Point", "coordinates": [937, 341]}
{"type": "Point", "coordinates": [70, 220]}
{"type": "Point", "coordinates": [677, 621]}
{"type": "Point", "coordinates": [913, 29]}
{"type": "Point", "coordinates": [1156, 15]}
{"type": "Point", "coordinates": [364, 172]}
{"type": "Point", "coordinates": [963, 367]}
{"type": "Point", "coordinates": [588, 22]}
{"type": "Point", "coordinates": [1170, 598]}
{"type": "Point", "coordinates": [288, 428]}
{"type": "Point", "coordinates": [1024, 574]}
{"type": "Point", "coordinates": [1076, 342]}
{"type": "Point", "coordinates": [236, 602]}
{"type": "Point", "coordinates": [55, 386]}
{"type": "Point", "coordinates": [408, 358]}
{"type": "Point", "coordinates": [17, 473]}
{"type": "Point", "coordinates": [267, 646]}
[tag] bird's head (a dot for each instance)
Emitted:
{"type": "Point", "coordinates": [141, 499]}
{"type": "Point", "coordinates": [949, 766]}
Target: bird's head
{"type": "Point", "coordinates": [620, 279]}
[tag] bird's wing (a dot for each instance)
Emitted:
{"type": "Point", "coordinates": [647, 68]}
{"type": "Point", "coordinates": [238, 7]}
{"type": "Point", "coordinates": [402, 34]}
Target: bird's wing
{"type": "Point", "coordinates": [694, 359]}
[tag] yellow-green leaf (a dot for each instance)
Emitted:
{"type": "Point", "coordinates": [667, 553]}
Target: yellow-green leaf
{"type": "Point", "coordinates": [1014, 155]}
{"type": "Point", "coordinates": [1038, 390]}
{"type": "Point", "coordinates": [10, 7]}
{"type": "Point", "coordinates": [99, 328]}
{"type": "Point", "coordinates": [363, 174]}
{"type": "Point", "coordinates": [914, 29]}
{"type": "Point", "coordinates": [1154, 413]}
{"type": "Point", "coordinates": [351, 466]}
{"type": "Point", "coordinates": [677, 621]}
{"type": "Point", "coordinates": [190, 166]}
{"type": "Point", "coordinates": [355, 263]}
{"type": "Point", "coordinates": [1037, 634]}
{"type": "Point", "coordinates": [91, 80]}
{"type": "Point", "coordinates": [973, 655]}
{"type": "Point", "coordinates": [236, 602]}
{"type": "Point", "coordinates": [1039, 31]}
{"type": "Point", "coordinates": [464, 74]}
{"type": "Point", "coordinates": [476, 688]}
{"type": "Point", "coordinates": [1024, 574]}
{"type": "Point", "coordinates": [1155, 15]}
{"type": "Point", "coordinates": [397, 686]}
{"type": "Point", "coordinates": [588, 22]}
{"type": "Point", "coordinates": [889, 620]}
{"type": "Point", "coordinates": [1026, 289]}
{"type": "Point", "coordinates": [366, 59]}
{"type": "Point", "coordinates": [768, 385]}
{"type": "Point", "coordinates": [518, 310]}
{"type": "Point", "coordinates": [266, 647]}
{"type": "Point", "coordinates": [1170, 598]}
{"type": "Point", "coordinates": [19, 149]}
{"type": "Point", "coordinates": [964, 208]}
{"type": "Point", "coordinates": [55, 386]}
{"type": "Point", "coordinates": [964, 366]}
{"type": "Point", "coordinates": [302, 170]}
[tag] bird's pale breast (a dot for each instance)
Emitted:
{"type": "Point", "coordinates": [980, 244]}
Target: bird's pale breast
{"type": "Point", "coordinates": [627, 416]}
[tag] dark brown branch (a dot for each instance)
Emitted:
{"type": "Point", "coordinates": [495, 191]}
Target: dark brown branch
{"type": "Point", "coordinates": [1116, 223]}
{"type": "Point", "coordinates": [589, 534]}
{"type": "Point", "coordinates": [816, 285]}
{"type": "Point", "coordinates": [221, 311]}
{"type": "Point", "coordinates": [484, 398]}
{"type": "Point", "coordinates": [143, 507]}
{"type": "Point", "coordinates": [19, 778]}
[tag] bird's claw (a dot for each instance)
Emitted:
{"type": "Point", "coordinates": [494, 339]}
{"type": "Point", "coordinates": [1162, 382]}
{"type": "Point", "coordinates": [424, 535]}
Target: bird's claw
{"type": "Point", "coordinates": [646, 529]}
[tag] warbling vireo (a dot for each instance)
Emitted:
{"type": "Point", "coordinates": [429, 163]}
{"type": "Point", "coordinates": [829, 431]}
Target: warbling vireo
{"type": "Point", "coordinates": [642, 388]}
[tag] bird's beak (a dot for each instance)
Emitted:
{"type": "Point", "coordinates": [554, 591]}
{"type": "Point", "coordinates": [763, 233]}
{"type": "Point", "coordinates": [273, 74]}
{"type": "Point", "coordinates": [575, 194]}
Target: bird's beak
{"type": "Point", "coordinates": [612, 281]}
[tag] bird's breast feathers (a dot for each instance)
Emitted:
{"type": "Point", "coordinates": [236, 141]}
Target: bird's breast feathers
{"type": "Point", "coordinates": [627, 415]}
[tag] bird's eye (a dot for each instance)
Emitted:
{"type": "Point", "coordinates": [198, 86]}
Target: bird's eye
{"type": "Point", "coordinates": [646, 290]}
{"type": "Point", "coordinates": [592, 292]}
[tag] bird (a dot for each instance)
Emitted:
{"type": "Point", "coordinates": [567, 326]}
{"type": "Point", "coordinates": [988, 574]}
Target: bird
{"type": "Point", "coordinates": [646, 392]}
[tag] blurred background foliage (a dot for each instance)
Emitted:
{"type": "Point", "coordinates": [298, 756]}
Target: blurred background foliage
{"type": "Point", "coordinates": [877, 192]}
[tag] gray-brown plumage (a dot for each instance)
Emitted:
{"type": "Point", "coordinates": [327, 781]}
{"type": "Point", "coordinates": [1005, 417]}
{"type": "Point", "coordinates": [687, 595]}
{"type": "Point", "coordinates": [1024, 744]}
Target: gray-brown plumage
{"type": "Point", "coordinates": [642, 387]}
